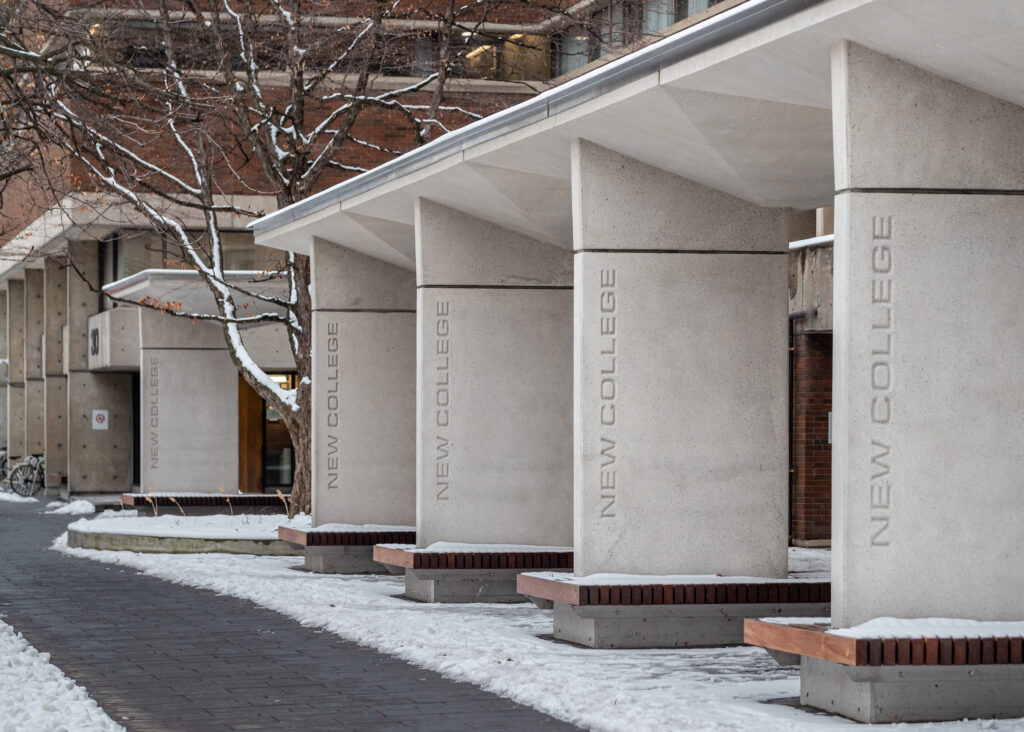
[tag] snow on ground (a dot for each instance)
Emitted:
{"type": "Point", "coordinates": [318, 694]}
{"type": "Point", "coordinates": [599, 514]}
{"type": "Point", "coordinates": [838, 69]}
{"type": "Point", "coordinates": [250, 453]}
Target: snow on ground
{"type": "Point", "coordinates": [75, 508]}
{"type": "Point", "coordinates": [497, 648]}
{"type": "Point", "coordinates": [35, 695]}
{"type": "Point", "coordinates": [15, 498]}
{"type": "Point", "coordinates": [217, 526]}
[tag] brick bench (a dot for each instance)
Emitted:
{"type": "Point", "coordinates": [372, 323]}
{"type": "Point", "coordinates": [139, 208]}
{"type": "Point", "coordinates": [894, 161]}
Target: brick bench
{"type": "Point", "coordinates": [668, 612]}
{"type": "Point", "coordinates": [199, 504]}
{"type": "Point", "coordinates": [344, 548]}
{"type": "Point", "coordinates": [903, 678]}
{"type": "Point", "coordinates": [468, 573]}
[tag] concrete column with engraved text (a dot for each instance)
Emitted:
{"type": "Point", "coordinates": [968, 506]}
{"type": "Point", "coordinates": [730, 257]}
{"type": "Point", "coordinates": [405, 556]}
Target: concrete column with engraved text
{"type": "Point", "coordinates": [494, 365]}
{"type": "Point", "coordinates": [680, 374]}
{"type": "Point", "coordinates": [929, 389]}
{"type": "Point", "coordinates": [364, 389]}
{"type": "Point", "coordinates": [189, 406]}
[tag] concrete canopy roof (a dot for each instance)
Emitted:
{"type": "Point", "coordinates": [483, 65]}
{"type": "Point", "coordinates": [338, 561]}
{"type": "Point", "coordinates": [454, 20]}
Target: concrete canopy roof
{"type": "Point", "coordinates": [186, 287]}
{"type": "Point", "coordinates": [741, 103]}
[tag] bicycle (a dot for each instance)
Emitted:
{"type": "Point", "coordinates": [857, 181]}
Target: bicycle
{"type": "Point", "coordinates": [29, 477]}
{"type": "Point", "coordinates": [5, 472]}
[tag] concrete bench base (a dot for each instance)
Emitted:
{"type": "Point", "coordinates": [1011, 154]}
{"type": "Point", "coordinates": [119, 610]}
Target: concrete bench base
{"type": "Point", "coordinates": [905, 679]}
{"type": "Point", "coordinates": [179, 544]}
{"type": "Point", "coordinates": [668, 612]}
{"type": "Point", "coordinates": [467, 576]}
{"type": "Point", "coordinates": [462, 585]}
{"type": "Point", "coordinates": [342, 560]}
{"type": "Point", "coordinates": [343, 551]}
{"type": "Point", "coordinates": [912, 693]}
{"type": "Point", "coordinates": [667, 626]}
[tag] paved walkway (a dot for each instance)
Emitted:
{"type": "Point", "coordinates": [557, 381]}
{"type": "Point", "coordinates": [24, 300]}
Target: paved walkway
{"type": "Point", "coordinates": [159, 656]}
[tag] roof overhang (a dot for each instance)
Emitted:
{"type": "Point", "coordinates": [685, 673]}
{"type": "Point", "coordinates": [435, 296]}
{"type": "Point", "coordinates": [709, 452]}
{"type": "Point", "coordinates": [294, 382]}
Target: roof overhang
{"type": "Point", "coordinates": [94, 216]}
{"type": "Point", "coordinates": [185, 291]}
{"type": "Point", "coordinates": [741, 103]}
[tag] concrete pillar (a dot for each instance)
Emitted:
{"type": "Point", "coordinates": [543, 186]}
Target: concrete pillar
{"type": "Point", "coordinates": [189, 406]}
{"type": "Point", "coordinates": [99, 460]}
{"type": "Point", "coordinates": [680, 374]}
{"type": "Point", "coordinates": [3, 369]}
{"type": "Point", "coordinates": [364, 389]}
{"type": "Point", "coordinates": [16, 368]}
{"type": "Point", "coordinates": [55, 279]}
{"type": "Point", "coordinates": [35, 396]}
{"type": "Point", "coordinates": [929, 389]}
{"type": "Point", "coordinates": [494, 366]}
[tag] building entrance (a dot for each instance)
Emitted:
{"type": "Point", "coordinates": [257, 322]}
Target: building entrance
{"type": "Point", "coordinates": [266, 459]}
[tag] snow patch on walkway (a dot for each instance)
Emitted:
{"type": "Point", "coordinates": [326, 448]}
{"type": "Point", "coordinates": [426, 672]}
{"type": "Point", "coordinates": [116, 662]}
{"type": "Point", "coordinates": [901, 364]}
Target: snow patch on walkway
{"type": "Point", "coordinates": [75, 508]}
{"type": "Point", "coordinates": [497, 648]}
{"type": "Point", "coordinates": [7, 497]}
{"type": "Point", "coordinates": [36, 695]}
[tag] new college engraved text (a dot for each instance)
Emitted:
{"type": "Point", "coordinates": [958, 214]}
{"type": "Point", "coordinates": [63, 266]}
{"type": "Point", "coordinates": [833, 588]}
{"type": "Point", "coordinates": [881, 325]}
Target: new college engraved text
{"type": "Point", "coordinates": [881, 344]}
{"type": "Point", "coordinates": [154, 412]}
{"type": "Point", "coordinates": [609, 372]}
{"type": "Point", "coordinates": [332, 406]}
{"type": "Point", "coordinates": [442, 401]}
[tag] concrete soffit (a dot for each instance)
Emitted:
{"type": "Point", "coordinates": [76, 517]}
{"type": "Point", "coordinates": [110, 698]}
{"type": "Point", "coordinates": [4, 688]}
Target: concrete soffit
{"type": "Point", "coordinates": [750, 116]}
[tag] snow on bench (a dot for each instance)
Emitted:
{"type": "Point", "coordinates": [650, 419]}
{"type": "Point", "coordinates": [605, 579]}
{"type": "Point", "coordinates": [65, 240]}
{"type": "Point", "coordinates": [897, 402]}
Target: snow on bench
{"type": "Point", "coordinates": [630, 589]}
{"type": "Point", "coordinates": [451, 555]}
{"type": "Point", "coordinates": [347, 535]}
{"type": "Point", "coordinates": [894, 641]}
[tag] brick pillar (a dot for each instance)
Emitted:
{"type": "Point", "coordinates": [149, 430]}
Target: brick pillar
{"type": "Point", "coordinates": [811, 484]}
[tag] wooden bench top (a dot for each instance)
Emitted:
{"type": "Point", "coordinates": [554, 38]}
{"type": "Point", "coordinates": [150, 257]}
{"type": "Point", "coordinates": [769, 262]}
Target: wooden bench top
{"type": "Point", "coordinates": [144, 500]}
{"type": "Point", "coordinates": [723, 593]}
{"type": "Point", "coordinates": [813, 641]}
{"type": "Point", "coordinates": [312, 537]}
{"type": "Point", "coordinates": [405, 557]}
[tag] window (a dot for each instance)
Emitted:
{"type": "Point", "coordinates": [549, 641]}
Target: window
{"type": "Point", "coordinates": [617, 25]}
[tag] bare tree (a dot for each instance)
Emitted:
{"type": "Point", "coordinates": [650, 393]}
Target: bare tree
{"type": "Point", "coordinates": [175, 105]}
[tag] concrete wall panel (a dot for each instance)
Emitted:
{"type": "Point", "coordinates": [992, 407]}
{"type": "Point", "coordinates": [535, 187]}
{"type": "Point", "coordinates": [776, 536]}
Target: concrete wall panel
{"type": "Point", "coordinates": [56, 426]}
{"type": "Point", "coordinates": [55, 277]}
{"type": "Point", "coordinates": [364, 412]}
{"type": "Point", "coordinates": [99, 461]}
{"type": "Point", "coordinates": [364, 389]}
{"type": "Point", "coordinates": [495, 416]}
{"type": "Point", "coordinates": [189, 401]}
{"type": "Point", "coordinates": [681, 420]}
{"type": "Point", "coordinates": [16, 420]}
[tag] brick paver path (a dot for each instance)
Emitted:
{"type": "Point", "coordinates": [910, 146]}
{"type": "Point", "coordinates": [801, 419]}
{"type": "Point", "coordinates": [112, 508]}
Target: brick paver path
{"type": "Point", "coordinates": [159, 656]}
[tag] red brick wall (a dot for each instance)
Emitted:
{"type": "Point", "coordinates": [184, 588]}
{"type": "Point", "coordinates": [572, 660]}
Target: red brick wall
{"type": "Point", "coordinates": [811, 478]}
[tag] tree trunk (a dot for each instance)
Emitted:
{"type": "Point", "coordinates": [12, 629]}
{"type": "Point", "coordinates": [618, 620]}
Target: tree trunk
{"type": "Point", "coordinates": [302, 477]}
